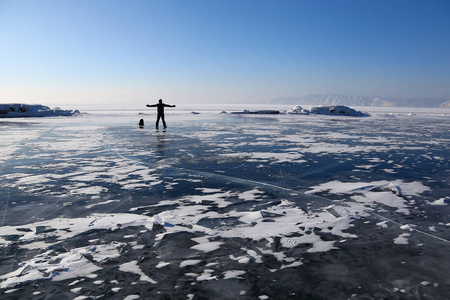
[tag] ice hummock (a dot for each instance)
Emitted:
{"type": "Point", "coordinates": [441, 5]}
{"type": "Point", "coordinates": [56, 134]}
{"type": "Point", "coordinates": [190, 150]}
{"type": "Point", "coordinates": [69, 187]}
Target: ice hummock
{"type": "Point", "coordinates": [339, 110]}
{"type": "Point", "coordinates": [256, 112]}
{"type": "Point", "coordinates": [18, 110]}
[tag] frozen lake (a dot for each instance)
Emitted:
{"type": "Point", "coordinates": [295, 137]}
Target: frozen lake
{"type": "Point", "coordinates": [224, 206]}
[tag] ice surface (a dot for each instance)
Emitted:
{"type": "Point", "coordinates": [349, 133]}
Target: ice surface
{"type": "Point", "coordinates": [244, 206]}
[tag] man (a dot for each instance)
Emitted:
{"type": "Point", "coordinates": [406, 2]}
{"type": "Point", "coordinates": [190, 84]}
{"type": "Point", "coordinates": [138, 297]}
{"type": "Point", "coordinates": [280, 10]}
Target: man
{"type": "Point", "coordinates": [160, 105]}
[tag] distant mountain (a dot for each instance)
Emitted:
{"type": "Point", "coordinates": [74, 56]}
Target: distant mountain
{"type": "Point", "coordinates": [330, 99]}
{"type": "Point", "coordinates": [445, 104]}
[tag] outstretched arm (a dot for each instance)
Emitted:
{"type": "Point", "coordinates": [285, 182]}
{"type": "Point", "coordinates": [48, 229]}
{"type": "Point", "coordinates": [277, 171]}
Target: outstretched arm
{"type": "Point", "coordinates": [169, 105]}
{"type": "Point", "coordinates": [153, 105]}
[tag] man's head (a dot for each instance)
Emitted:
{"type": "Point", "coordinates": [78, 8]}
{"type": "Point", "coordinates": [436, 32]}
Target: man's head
{"type": "Point", "coordinates": [160, 100]}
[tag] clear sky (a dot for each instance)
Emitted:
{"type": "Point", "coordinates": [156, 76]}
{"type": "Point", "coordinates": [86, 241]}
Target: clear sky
{"type": "Point", "coordinates": [222, 51]}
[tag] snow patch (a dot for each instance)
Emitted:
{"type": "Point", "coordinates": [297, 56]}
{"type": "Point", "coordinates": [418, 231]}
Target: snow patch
{"type": "Point", "coordinates": [133, 267]}
{"type": "Point", "coordinates": [402, 239]}
{"type": "Point", "coordinates": [439, 202]}
{"type": "Point", "coordinates": [233, 274]}
{"type": "Point", "coordinates": [189, 262]}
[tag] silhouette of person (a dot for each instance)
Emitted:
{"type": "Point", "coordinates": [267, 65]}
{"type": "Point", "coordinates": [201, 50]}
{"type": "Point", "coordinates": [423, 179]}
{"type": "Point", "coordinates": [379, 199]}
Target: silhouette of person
{"type": "Point", "coordinates": [160, 105]}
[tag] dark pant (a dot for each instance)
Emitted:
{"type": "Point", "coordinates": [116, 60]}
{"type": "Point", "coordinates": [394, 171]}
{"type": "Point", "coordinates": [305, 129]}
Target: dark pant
{"type": "Point", "coordinates": [163, 121]}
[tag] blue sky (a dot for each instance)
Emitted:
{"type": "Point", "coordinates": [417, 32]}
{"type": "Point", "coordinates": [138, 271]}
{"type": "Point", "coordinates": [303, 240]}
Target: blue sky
{"type": "Point", "coordinates": [217, 51]}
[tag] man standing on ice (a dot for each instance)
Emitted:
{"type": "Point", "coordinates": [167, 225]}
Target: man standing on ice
{"type": "Point", "coordinates": [160, 105]}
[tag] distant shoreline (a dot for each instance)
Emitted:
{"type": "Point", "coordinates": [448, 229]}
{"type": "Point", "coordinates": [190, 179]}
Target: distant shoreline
{"type": "Point", "coordinates": [332, 99]}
